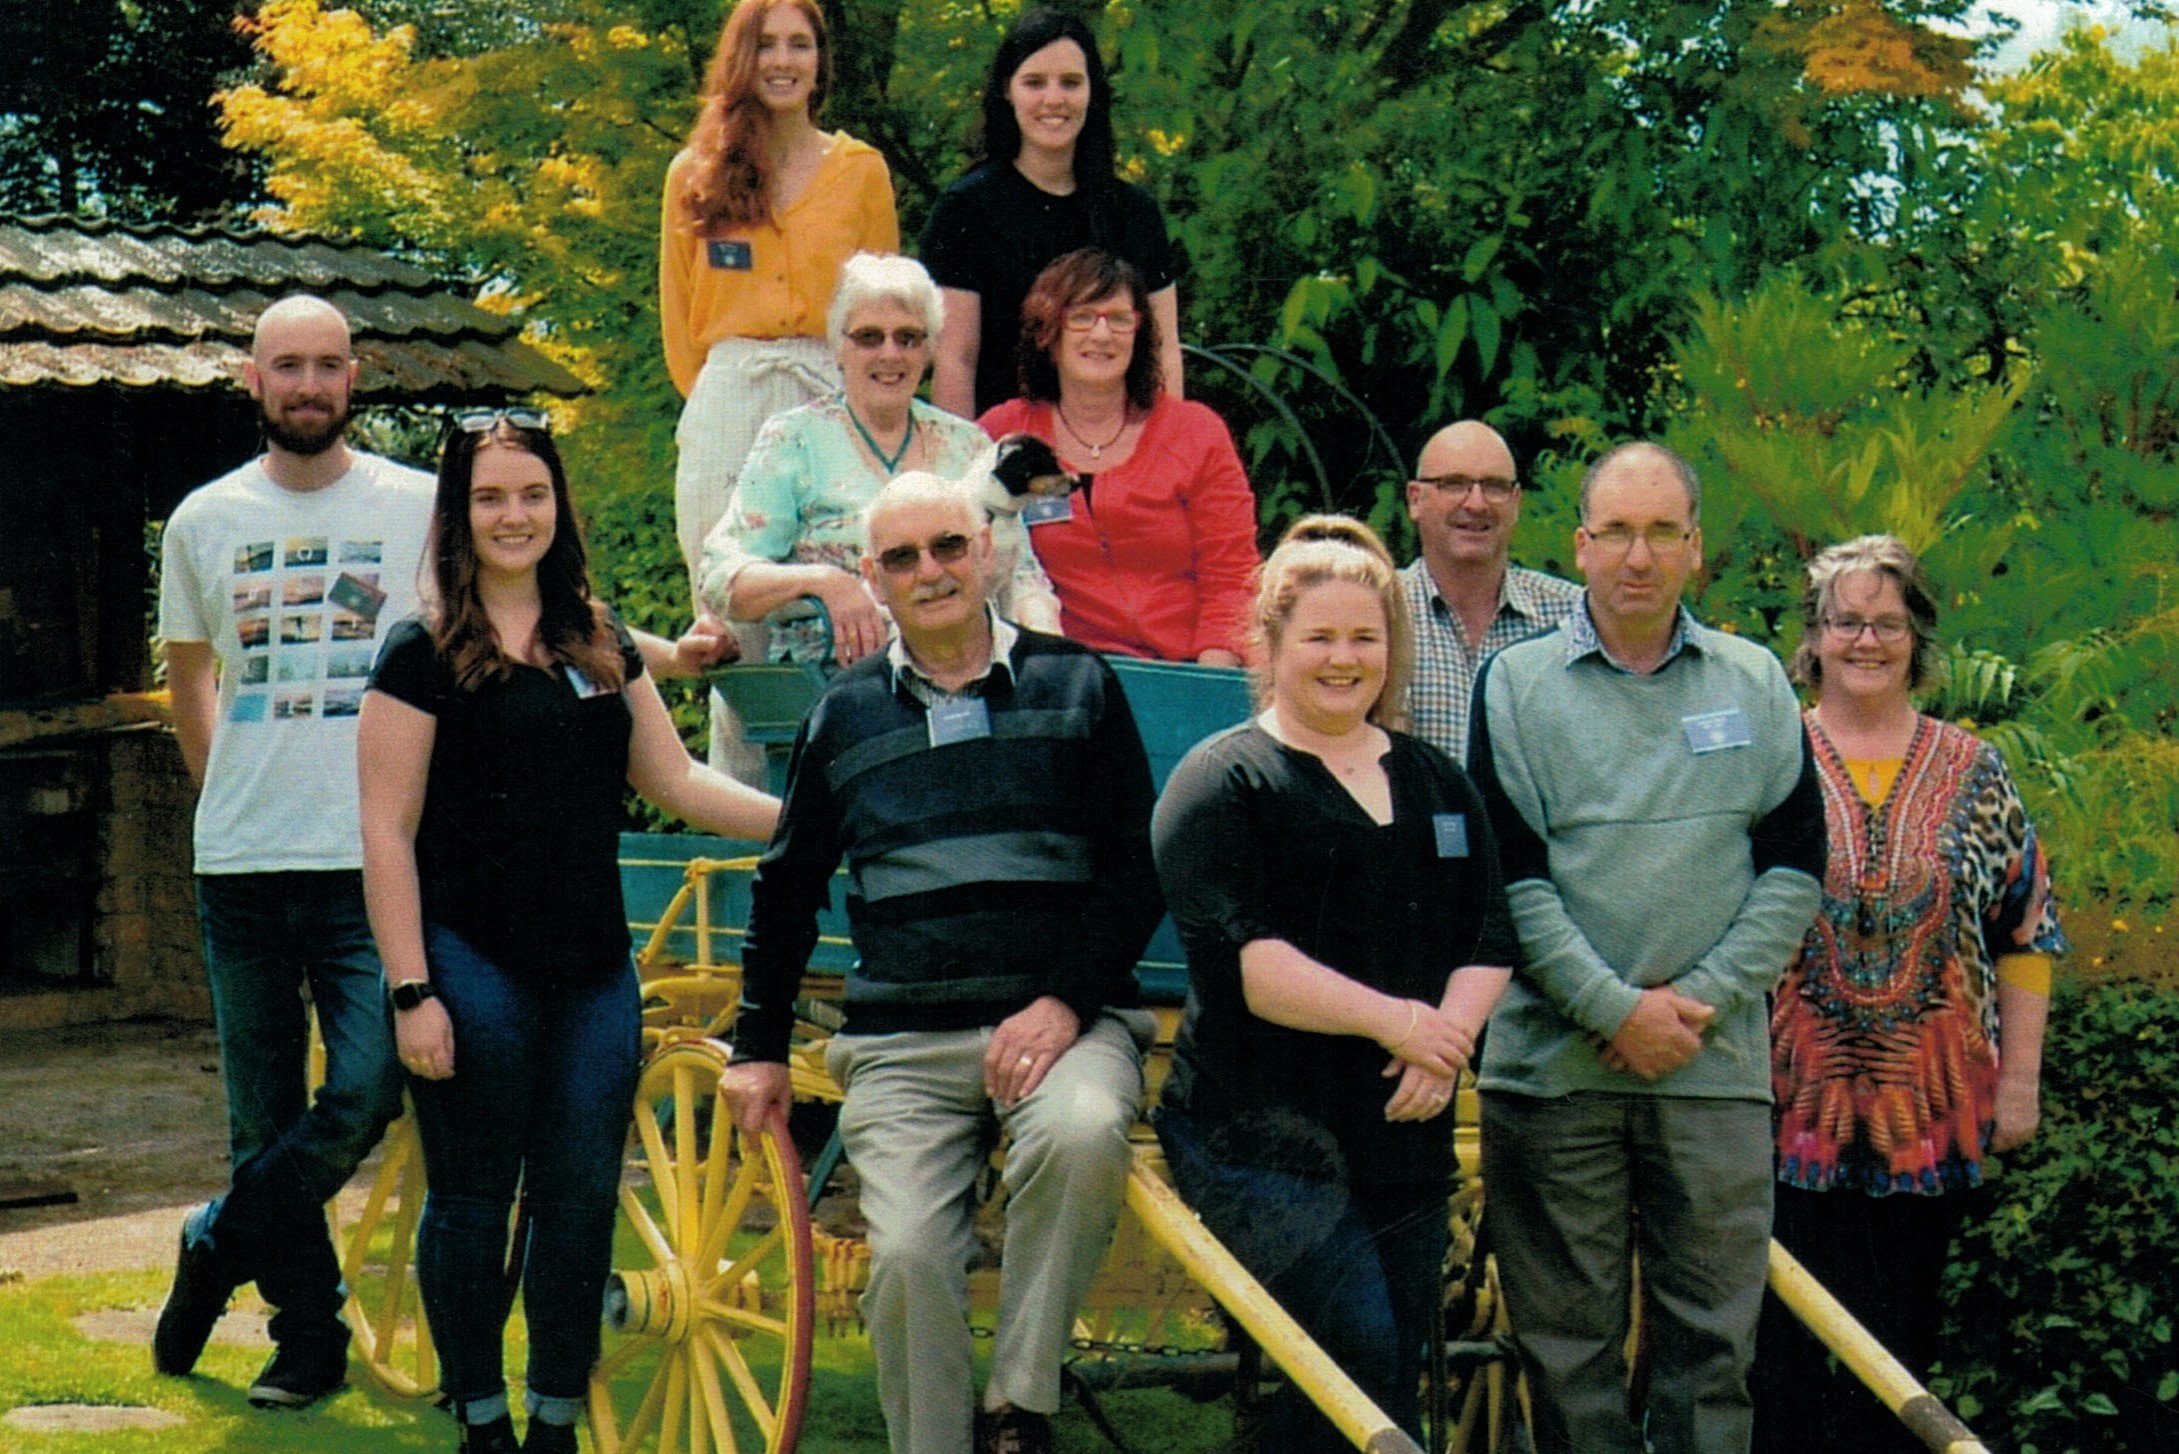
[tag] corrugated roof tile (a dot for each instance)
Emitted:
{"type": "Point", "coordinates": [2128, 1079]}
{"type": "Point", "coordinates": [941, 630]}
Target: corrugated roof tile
{"type": "Point", "coordinates": [85, 304]}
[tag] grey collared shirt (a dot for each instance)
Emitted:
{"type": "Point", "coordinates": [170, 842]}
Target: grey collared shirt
{"type": "Point", "coordinates": [1530, 603]}
{"type": "Point", "coordinates": [1582, 640]}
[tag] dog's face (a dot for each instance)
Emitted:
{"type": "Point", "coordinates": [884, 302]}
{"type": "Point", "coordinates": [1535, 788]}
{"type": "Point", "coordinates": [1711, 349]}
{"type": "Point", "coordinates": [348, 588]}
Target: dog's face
{"type": "Point", "coordinates": [1027, 466]}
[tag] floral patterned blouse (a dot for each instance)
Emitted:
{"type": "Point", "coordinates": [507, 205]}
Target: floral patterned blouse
{"type": "Point", "coordinates": [1884, 1034]}
{"type": "Point", "coordinates": [801, 498]}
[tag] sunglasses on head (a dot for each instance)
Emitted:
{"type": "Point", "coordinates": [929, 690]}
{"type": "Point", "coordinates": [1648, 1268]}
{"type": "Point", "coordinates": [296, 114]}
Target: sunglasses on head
{"type": "Point", "coordinates": [946, 549]}
{"type": "Point", "coordinates": [488, 421]}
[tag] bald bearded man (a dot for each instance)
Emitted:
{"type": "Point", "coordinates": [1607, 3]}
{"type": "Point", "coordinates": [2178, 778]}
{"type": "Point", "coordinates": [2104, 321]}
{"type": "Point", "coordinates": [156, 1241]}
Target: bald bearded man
{"type": "Point", "coordinates": [279, 581]}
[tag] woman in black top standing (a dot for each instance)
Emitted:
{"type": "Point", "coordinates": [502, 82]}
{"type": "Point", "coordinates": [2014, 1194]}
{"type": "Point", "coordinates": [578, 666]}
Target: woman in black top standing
{"type": "Point", "coordinates": [495, 740]}
{"type": "Point", "coordinates": [1337, 890]}
{"type": "Point", "coordinates": [1043, 187]}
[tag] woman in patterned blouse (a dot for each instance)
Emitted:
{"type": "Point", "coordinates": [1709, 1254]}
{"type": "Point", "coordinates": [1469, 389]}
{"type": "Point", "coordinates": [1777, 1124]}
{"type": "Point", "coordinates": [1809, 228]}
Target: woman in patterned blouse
{"type": "Point", "coordinates": [1907, 1037]}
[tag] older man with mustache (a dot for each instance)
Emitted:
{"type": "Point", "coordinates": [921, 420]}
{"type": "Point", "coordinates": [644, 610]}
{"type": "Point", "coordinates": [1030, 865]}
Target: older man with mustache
{"type": "Point", "coordinates": [990, 793]}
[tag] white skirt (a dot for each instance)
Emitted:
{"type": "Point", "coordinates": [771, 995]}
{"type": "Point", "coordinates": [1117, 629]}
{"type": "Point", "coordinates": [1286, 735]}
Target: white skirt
{"type": "Point", "coordinates": [744, 382]}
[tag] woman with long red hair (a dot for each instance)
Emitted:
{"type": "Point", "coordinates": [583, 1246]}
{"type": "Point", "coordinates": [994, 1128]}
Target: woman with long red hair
{"type": "Point", "coordinates": [761, 209]}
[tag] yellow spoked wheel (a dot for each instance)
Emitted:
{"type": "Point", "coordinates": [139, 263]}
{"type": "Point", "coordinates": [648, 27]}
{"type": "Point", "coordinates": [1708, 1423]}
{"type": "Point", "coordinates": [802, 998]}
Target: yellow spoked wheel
{"type": "Point", "coordinates": [707, 1334]}
{"type": "Point", "coordinates": [1484, 1404]}
{"type": "Point", "coordinates": [378, 1263]}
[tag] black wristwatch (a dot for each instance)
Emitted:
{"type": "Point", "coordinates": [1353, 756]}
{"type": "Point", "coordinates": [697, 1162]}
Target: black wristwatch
{"type": "Point", "coordinates": [407, 994]}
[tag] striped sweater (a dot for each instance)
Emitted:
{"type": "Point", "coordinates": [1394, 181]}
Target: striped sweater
{"type": "Point", "coordinates": [981, 874]}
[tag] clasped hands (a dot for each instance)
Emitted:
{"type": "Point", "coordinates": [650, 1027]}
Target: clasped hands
{"type": "Point", "coordinates": [1429, 1049]}
{"type": "Point", "coordinates": [1664, 1033]}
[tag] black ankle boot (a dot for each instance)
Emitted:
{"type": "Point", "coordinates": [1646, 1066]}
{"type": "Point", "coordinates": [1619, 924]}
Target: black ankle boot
{"type": "Point", "coordinates": [496, 1437]}
{"type": "Point", "coordinates": [544, 1438]}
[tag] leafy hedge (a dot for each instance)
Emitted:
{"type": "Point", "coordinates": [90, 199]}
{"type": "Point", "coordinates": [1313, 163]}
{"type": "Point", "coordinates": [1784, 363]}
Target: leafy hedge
{"type": "Point", "coordinates": [2062, 1301]}
{"type": "Point", "coordinates": [635, 566]}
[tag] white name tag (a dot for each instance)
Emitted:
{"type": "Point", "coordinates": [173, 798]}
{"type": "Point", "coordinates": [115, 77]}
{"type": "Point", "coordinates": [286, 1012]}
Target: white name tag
{"type": "Point", "coordinates": [1716, 731]}
{"type": "Point", "coordinates": [584, 686]}
{"type": "Point", "coordinates": [1045, 509]}
{"type": "Point", "coordinates": [959, 719]}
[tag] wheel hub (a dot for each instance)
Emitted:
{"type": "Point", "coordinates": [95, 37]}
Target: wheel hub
{"type": "Point", "coordinates": [655, 1303]}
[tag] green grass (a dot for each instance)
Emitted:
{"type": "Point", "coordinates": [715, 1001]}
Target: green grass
{"type": "Point", "coordinates": [46, 1360]}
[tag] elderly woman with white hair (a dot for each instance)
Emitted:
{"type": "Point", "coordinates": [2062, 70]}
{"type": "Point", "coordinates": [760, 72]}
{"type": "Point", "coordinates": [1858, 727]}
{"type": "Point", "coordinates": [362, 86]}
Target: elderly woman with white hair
{"type": "Point", "coordinates": [794, 530]}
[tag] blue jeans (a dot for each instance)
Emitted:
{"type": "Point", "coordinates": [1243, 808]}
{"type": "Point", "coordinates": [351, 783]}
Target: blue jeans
{"type": "Point", "coordinates": [266, 937]}
{"type": "Point", "coordinates": [544, 1081]}
{"type": "Point", "coordinates": [1360, 1265]}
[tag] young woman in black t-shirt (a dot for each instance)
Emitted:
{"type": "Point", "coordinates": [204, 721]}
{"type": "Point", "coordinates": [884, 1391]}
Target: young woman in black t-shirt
{"type": "Point", "coordinates": [1337, 890]}
{"type": "Point", "coordinates": [1043, 187]}
{"type": "Point", "coordinates": [494, 743]}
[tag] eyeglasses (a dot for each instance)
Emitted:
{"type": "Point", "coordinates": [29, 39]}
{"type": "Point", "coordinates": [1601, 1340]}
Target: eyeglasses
{"type": "Point", "coordinates": [1890, 630]}
{"type": "Point", "coordinates": [488, 421]}
{"type": "Point", "coordinates": [1496, 489]}
{"type": "Point", "coordinates": [947, 549]}
{"type": "Point", "coordinates": [1619, 539]}
{"type": "Point", "coordinates": [873, 339]}
{"type": "Point", "coordinates": [1119, 320]}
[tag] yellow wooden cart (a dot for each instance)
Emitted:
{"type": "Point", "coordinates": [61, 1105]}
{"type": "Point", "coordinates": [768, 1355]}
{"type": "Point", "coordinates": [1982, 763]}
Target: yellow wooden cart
{"type": "Point", "coordinates": [726, 1279]}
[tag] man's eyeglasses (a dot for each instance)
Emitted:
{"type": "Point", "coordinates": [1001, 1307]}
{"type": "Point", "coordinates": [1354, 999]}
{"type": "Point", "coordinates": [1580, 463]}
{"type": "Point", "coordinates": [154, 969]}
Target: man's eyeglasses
{"type": "Point", "coordinates": [1496, 488]}
{"type": "Point", "coordinates": [1619, 539]}
{"type": "Point", "coordinates": [1890, 630]}
{"type": "Point", "coordinates": [1119, 320]}
{"type": "Point", "coordinates": [488, 421]}
{"type": "Point", "coordinates": [870, 340]}
{"type": "Point", "coordinates": [947, 549]}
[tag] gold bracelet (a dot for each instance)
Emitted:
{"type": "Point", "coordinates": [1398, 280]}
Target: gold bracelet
{"type": "Point", "coordinates": [1414, 1014]}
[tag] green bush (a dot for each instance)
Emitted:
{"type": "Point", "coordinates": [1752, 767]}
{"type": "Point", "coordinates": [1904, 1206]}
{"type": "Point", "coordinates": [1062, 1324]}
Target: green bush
{"type": "Point", "coordinates": [2061, 1302]}
{"type": "Point", "coordinates": [635, 566]}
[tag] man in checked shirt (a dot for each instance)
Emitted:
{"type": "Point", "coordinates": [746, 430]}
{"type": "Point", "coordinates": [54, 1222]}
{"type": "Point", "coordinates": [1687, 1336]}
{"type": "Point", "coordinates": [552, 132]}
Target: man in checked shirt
{"type": "Point", "coordinates": [1465, 598]}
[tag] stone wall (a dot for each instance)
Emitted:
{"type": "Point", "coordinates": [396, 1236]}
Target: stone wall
{"type": "Point", "coordinates": [144, 956]}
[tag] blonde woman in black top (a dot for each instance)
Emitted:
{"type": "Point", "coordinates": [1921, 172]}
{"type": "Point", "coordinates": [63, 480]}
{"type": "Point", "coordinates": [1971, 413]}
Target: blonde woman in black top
{"type": "Point", "coordinates": [1337, 890]}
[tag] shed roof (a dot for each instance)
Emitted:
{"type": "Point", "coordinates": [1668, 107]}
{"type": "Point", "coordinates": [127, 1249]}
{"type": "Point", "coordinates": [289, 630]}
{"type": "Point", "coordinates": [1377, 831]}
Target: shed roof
{"type": "Point", "coordinates": [95, 303]}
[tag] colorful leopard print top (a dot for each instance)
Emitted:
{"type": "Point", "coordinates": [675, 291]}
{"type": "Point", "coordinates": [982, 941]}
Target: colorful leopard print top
{"type": "Point", "coordinates": [1884, 1037]}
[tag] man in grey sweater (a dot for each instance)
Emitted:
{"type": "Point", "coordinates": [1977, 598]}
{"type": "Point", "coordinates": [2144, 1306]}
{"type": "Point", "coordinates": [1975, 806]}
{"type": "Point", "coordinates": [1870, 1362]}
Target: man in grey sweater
{"type": "Point", "coordinates": [1662, 832]}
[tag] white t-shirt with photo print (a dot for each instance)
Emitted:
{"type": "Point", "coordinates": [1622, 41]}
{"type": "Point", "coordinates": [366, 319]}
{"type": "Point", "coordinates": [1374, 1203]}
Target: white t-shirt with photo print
{"type": "Point", "coordinates": [294, 592]}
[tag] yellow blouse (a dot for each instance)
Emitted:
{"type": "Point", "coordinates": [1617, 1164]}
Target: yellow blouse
{"type": "Point", "coordinates": [775, 279]}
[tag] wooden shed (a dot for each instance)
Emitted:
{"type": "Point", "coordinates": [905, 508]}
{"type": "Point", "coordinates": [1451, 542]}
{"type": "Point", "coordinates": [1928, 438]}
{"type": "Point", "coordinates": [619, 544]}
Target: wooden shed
{"type": "Point", "coordinates": [120, 354]}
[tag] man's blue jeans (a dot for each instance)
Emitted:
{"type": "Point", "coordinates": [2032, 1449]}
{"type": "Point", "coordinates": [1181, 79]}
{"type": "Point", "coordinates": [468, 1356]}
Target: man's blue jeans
{"type": "Point", "coordinates": [544, 1080]}
{"type": "Point", "coordinates": [1359, 1265]}
{"type": "Point", "coordinates": [268, 936]}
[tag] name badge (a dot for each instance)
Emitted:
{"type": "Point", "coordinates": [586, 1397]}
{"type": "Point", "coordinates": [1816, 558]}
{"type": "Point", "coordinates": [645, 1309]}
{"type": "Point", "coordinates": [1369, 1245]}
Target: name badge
{"type": "Point", "coordinates": [732, 254]}
{"type": "Point", "coordinates": [1451, 831]}
{"type": "Point", "coordinates": [959, 719]}
{"type": "Point", "coordinates": [1716, 731]}
{"type": "Point", "coordinates": [584, 686]}
{"type": "Point", "coordinates": [1045, 509]}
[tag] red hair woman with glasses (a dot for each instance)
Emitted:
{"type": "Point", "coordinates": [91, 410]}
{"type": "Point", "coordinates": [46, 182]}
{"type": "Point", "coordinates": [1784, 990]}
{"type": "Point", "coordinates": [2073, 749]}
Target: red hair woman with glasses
{"type": "Point", "coordinates": [501, 727]}
{"type": "Point", "coordinates": [1153, 553]}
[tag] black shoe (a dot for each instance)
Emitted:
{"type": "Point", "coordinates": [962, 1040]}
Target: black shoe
{"type": "Point", "coordinates": [1013, 1431]}
{"type": "Point", "coordinates": [496, 1437]}
{"type": "Point", "coordinates": [300, 1373]}
{"type": "Point", "coordinates": [203, 1282]}
{"type": "Point", "coordinates": [544, 1438]}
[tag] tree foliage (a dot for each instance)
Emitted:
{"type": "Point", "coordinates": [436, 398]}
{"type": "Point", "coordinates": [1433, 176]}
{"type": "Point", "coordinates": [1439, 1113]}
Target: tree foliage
{"type": "Point", "coordinates": [105, 110]}
{"type": "Point", "coordinates": [1807, 242]}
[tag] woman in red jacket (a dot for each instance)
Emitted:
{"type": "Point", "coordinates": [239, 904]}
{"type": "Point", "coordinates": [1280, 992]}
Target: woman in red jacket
{"type": "Point", "coordinates": [1153, 553]}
